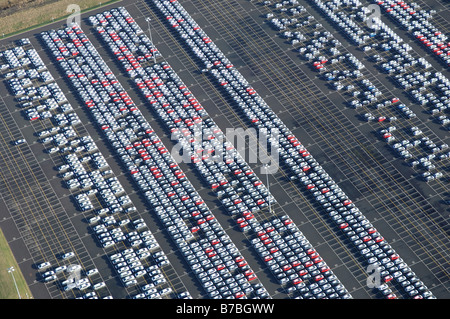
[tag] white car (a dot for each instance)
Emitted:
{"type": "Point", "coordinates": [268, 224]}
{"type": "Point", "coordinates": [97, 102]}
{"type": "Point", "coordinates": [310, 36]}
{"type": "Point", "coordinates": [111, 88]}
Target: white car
{"type": "Point", "coordinates": [108, 244]}
{"type": "Point", "coordinates": [84, 286]}
{"type": "Point", "coordinates": [50, 278]}
{"type": "Point", "coordinates": [123, 222]}
{"type": "Point", "coordinates": [165, 291]}
{"type": "Point", "coordinates": [91, 272]}
{"type": "Point", "coordinates": [48, 273]}
{"type": "Point", "coordinates": [60, 269]}
{"type": "Point", "coordinates": [20, 141]}
{"type": "Point", "coordinates": [94, 219]}
{"type": "Point", "coordinates": [44, 265]}
{"type": "Point", "coordinates": [99, 285]}
{"type": "Point", "coordinates": [89, 295]}
{"type": "Point", "coordinates": [130, 283]}
{"type": "Point", "coordinates": [68, 255]}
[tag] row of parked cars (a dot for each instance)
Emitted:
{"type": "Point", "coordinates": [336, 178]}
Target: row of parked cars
{"type": "Point", "coordinates": [417, 23]}
{"type": "Point", "coordinates": [193, 115]}
{"type": "Point", "coordinates": [130, 34]}
{"type": "Point", "coordinates": [16, 58]}
{"type": "Point", "coordinates": [86, 172]}
{"type": "Point", "coordinates": [430, 90]}
{"type": "Point", "coordinates": [300, 162]}
{"type": "Point", "coordinates": [74, 277]}
{"type": "Point", "coordinates": [244, 222]}
{"type": "Point", "coordinates": [134, 263]}
{"type": "Point", "coordinates": [163, 183]}
{"type": "Point", "coordinates": [294, 262]}
{"type": "Point", "coordinates": [421, 84]}
{"type": "Point", "coordinates": [419, 150]}
{"type": "Point", "coordinates": [247, 220]}
{"type": "Point", "coordinates": [59, 138]}
{"type": "Point", "coordinates": [402, 147]}
{"type": "Point", "coordinates": [216, 159]}
{"type": "Point", "coordinates": [401, 59]}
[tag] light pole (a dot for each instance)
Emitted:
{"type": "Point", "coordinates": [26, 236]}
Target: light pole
{"type": "Point", "coordinates": [151, 40]}
{"type": "Point", "coordinates": [11, 270]}
{"type": "Point", "coordinates": [268, 186]}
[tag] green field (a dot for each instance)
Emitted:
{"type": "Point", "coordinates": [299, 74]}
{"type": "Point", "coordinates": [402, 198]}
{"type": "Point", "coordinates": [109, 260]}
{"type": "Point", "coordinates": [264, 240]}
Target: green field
{"type": "Point", "coordinates": [36, 16]}
{"type": "Point", "coordinates": [7, 288]}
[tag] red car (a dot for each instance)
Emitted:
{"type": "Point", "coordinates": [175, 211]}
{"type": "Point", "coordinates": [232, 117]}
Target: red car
{"type": "Point", "coordinates": [239, 295]}
{"type": "Point", "coordinates": [319, 277]}
{"type": "Point", "coordinates": [347, 202]}
{"type": "Point", "coordinates": [366, 238]}
{"type": "Point", "coordinates": [379, 239]}
{"type": "Point", "coordinates": [260, 233]}
{"type": "Point", "coordinates": [343, 225]}
{"type": "Point", "coordinates": [314, 255]}
{"type": "Point", "coordinates": [302, 272]}
{"type": "Point", "coordinates": [287, 267]}
{"type": "Point", "coordinates": [297, 281]}
{"type": "Point", "coordinates": [270, 229]}
{"type": "Point", "coordinates": [239, 259]}
{"type": "Point", "coordinates": [195, 229]}
{"type": "Point", "coordinates": [251, 277]}
{"type": "Point", "coordinates": [324, 269]}
{"type": "Point", "coordinates": [195, 213]}
{"type": "Point", "coordinates": [394, 257]}
{"type": "Point", "coordinates": [242, 225]}
{"type": "Point", "coordinates": [248, 273]}
{"type": "Point", "coordinates": [212, 254]}
{"type": "Point", "coordinates": [317, 260]}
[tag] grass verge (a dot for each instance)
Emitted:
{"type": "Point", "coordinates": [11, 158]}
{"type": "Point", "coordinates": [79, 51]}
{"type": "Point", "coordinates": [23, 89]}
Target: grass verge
{"type": "Point", "coordinates": [7, 288]}
{"type": "Point", "coordinates": [28, 19]}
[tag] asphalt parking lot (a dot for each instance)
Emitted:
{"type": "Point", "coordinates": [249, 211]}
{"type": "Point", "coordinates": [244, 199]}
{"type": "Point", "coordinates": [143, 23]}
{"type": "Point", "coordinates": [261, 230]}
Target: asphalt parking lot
{"type": "Point", "coordinates": [408, 212]}
{"type": "Point", "coordinates": [379, 177]}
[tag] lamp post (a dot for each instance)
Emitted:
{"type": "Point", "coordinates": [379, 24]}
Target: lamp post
{"type": "Point", "coordinates": [11, 270]}
{"type": "Point", "coordinates": [268, 186]}
{"type": "Point", "coordinates": [150, 34]}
